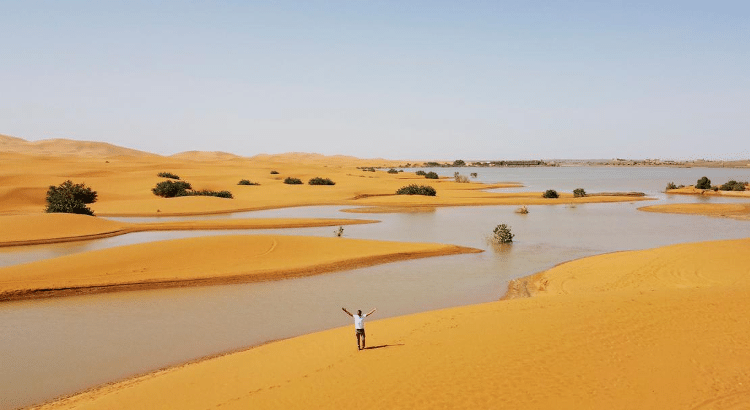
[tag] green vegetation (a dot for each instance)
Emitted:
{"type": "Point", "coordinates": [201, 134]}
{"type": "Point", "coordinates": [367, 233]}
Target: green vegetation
{"type": "Point", "coordinates": [502, 234]}
{"type": "Point", "coordinates": [733, 186]}
{"type": "Point", "coordinates": [459, 163]}
{"type": "Point", "coordinates": [292, 181]}
{"type": "Point", "coordinates": [550, 193]}
{"type": "Point", "coordinates": [274, 172]}
{"type": "Point", "coordinates": [431, 175]}
{"type": "Point", "coordinates": [671, 185]}
{"type": "Point", "coordinates": [474, 175]}
{"type": "Point", "coordinates": [247, 182]}
{"type": "Point", "coordinates": [70, 198]}
{"type": "Point", "coordinates": [414, 189]}
{"type": "Point", "coordinates": [392, 171]}
{"type": "Point", "coordinates": [579, 193]}
{"type": "Point", "coordinates": [368, 169]}
{"type": "Point", "coordinates": [206, 192]}
{"type": "Point", "coordinates": [167, 175]}
{"type": "Point", "coordinates": [320, 181]}
{"type": "Point", "coordinates": [420, 172]}
{"type": "Point", "coordinates": [703, 183]}
{"type": "Point", "coordinates": [171, 189]}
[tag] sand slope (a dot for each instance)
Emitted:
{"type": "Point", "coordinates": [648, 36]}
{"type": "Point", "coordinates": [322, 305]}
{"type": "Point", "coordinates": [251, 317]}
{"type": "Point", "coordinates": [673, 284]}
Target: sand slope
{"type": "Point", "coordinates": [203, 261]}
{"type": "Point", "coordinates": [658, 329]}
{"type": "Point", "coordinates": [734, 211]}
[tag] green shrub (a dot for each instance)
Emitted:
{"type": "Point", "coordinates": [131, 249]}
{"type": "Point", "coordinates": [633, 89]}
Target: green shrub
{"type": "Point", "coordinates": [171, 189]}
{"type": "Point", "coordinates": [733, 186]}
{"type": "Point", "coordinates": [502, 234]}
{"type": "Point", "coordinates": [206, 192]}
{"type": "Point", "coordinates": [368, 169]}
{"type": "Point", "coordinates": [474, 175]}
{"type": "Point", "coordinates": [550, 193]}
{"type": "Point", "coordinates": [579, 193]}
{"type": "Point", "coordinates": [459, 163]}
{"type": "Point", "coordinates": [293, 181]}
{"type": "Point", "coordinates": [392, 171]}
{"type": "Point", "coordinates": [274, 172]}
{"type": "Point", "coordinates": [247, 182]}
{"type": "Point", "coordinates": [420, 172]}
{"type": "Point", "coordinates": [320, 181]}
{"type": "Point", "coordinates": [167, 175]}
{"type": "Point", "coordinates": [431, 175]}
{"type": "Point", "coordinates": [414, 189]}
{"type": "Point", "coordinates": [671, 185]}
{"type": "Point", "coordinates": [70, 198]}
{"type": "Point", "coordinates": [703, 183]}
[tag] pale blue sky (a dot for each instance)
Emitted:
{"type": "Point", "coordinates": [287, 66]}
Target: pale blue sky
{"type": "Point", "coordinates": [394, 79]}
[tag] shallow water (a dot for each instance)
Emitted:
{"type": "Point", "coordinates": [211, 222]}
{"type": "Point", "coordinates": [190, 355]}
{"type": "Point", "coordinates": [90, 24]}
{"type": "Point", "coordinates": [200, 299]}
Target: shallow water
{"type": "Point", "coordinates": [59, 346]}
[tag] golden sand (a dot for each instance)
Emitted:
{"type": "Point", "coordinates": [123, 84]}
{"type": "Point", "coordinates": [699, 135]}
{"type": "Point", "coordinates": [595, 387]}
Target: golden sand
{"type": "Point", "coordinates": [734, 211]}
{"type": "Point", "coordinates": [664, 328]}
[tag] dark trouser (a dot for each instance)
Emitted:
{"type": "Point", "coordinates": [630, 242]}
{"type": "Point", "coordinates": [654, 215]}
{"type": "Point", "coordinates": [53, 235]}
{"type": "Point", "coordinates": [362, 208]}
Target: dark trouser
{"type": "Point", "coordinates": [361, 332]}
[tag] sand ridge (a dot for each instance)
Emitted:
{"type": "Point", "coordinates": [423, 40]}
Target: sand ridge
{"type": "Point", "coordinates": [663, 328]}
{"type": "Point", "coordinates": [732, 210]}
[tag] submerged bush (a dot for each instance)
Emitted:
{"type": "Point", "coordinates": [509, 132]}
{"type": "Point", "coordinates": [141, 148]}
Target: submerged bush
{"type": "Point", "coordinates": [320, 181]}
{"type": "Point", "coordinates": [293, 181]}
{"type": "Point", "coordinates": [392, 171]}
{"type": "Point", "coordinates": [579, 193]}
{"type": "Point", "coordinates": [671, 185]}
{"type": "Point", "coordinates": [703, 183]}
{"type": "Point", "coordinates": [247, 182]}
{"type": "Point", "coordinates": [474, 175]}
{"type": "Point", "coordinates": [70, 198]}
{"type": "Point", "coordinates": [167, 175]}
{"type": "Point", "coordinates": [171, 189]}
{"type": "Point", "coordinates": [550, 193]}
{"type": "Point", "coordinates": [414, 189]}
{"type": "Point", "coordinates": [502, 234]}
{"type": "Point", "coordinates": [431, 175]}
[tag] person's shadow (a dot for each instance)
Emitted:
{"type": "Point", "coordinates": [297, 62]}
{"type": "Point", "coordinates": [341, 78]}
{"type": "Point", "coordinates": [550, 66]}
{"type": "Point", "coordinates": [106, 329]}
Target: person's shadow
{"type": "Point", "coordinates": [382, 346]}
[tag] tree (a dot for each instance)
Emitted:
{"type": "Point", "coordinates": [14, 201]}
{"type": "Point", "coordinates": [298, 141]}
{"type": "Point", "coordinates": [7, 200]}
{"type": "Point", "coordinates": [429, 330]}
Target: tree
{"type": "Point", "coordinates": [502, 234]}
{"type": "Point", "coordinates": [550, 193]}
{"type": "Point", "coordinates": [70, 198]}
{"type": "Point", "coordinates": [459, 163]}
{"type": "Point", "coordinates": [171, 189]}
{"type": "Point", "coordinates": [703, 183]}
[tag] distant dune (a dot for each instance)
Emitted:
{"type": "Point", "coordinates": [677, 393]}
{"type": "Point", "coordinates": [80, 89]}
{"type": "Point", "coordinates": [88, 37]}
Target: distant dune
{"type": "Point", "coordinates": [59, 147]}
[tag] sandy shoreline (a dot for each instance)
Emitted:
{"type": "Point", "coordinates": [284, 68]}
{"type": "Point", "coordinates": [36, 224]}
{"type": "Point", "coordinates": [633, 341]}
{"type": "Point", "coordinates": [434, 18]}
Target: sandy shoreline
{"type": "Point", "coordinates": [663, 328]}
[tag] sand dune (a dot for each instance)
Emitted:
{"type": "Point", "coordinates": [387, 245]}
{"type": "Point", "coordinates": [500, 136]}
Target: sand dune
{"type": "Point", "coordinates": [59, 146]}
{"type": "Point", "coordinates": [203, 261]}
{"type": "Point", "coordinates": [656, 329]}
{"type": "Point", "coordinates": [734, 211]}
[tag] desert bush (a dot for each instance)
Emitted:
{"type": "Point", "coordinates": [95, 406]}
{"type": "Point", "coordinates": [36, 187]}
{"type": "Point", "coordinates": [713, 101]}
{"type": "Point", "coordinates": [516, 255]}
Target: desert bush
{"type": "Point", "coordinates": [579, 193]}
{"type": "Point", "coordinates": [70, 198]}
{"type": "Point", "coordinates": [522, 210]}
{"type": "Point", "coordinates": [167, 175]}
{"type": "Point", "coordinates": [431, 175]}
{"type": "Point", "coordinates": [671, 185]}
{"type": "Point", "coordinates": [474, 175]}
{"type": "Point", "coordinates": [459, 163]}
{"type": "Point", "coordinates": [460, 178]}
{"type": "Point", "coordinates": [368, 169]}
{"type": "Point", "coordinates": [274, 172]}
{"type": "Point", "coordinates": [502, 234]}
{"type": "Point", "coordinates": [392, 171]}
{"type": "Point", "coordinates": [414, 189]}
{"type": "Point", "coordinates": [292, 181]}
{"type": "Point", "coordinates": [703, 183]}
{"type": "Point", "coordinates": [247, 182]}
{"type": "Point", "coordinates": [170, 189]}
{"type": "Point", "coordinates": [550, 193]}
{"type": "Point", "coordinates": [420, 172]}
{"type": "Point", "coordinates": [320, 181]}
{"type": "Point", "coordinates": [339, 232]}
{"type": "Point", "coordinates": [733, 186]}
{"type": "Point", "coordinates": [207, 192]}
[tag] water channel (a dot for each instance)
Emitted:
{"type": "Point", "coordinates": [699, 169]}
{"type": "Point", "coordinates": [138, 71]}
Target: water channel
{"type": "Point", "coordinates": [60, 346]}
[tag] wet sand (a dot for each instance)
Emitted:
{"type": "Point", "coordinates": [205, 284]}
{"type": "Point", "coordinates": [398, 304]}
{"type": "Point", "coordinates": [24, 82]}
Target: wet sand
{"type": "Point", "coordinates": [653, 329]}
{"type": "Point", "coordinates": [734, 210]}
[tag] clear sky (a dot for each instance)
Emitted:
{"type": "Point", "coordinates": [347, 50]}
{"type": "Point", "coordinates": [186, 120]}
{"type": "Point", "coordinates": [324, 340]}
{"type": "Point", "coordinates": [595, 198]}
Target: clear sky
{"type": "Point", "coordinates": [394, 79]}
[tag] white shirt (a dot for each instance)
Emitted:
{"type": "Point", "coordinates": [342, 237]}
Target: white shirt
{"type": "Point", "coordinates": [359, 321]}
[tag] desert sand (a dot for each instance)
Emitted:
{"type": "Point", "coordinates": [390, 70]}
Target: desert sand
{"type": "Point", "coordinates": [735, 211]}
{"type": "Point", "coordinates": [662, 328]}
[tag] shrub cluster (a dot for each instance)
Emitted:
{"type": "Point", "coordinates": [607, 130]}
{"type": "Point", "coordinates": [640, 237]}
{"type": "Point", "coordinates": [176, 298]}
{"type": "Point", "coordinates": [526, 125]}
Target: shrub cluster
{"type": "Point", "coordinates": [293, 181]}
{"type": "Point", "coordinates": [368, 169]}
{"type": "Point", "coordinates": [414, 189]}
{"type": "Point", "coordinates": [671, 185]}
{"type": "Point", "coordinates": [392, 171]}
{"type": "Point", "coordinates": [70, 198]}
{"type": "Point", "coordinates": [274, 172]}
{"type": "Point", "coordinates": [247, 182]}
{"type": "Point", "coordinates": [733, 186]}
{"type": "Point", "coordinates": [459, 163]}
{"type": "Point", "coordinates": [320, 181]}
{"type": "Point", "coordinates": [550, 193]}
{"type": "Point", "coordinates": [579, 193]}
{"type": "Point", "coordinates": [171, 189]}
{"type": "Point", "coordinates": [502, 234]}
{"type": "Point", "coordinates": [474, 175]}
{"type": "Point", "coordinates": [703, 183]}
{"type": "Point", "coordinates": [206, 192]}
{"type": "Point", "coordinates": [167, 175]}
{"type": "Point", "coordinates": [420, 172]}
{"type": "Point", "coordinates": [431, 175]}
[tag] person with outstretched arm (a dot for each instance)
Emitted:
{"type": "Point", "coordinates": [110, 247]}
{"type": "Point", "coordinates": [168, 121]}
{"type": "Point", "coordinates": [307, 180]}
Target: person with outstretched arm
{"type": "Point", "coordinates": [359, 325]}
